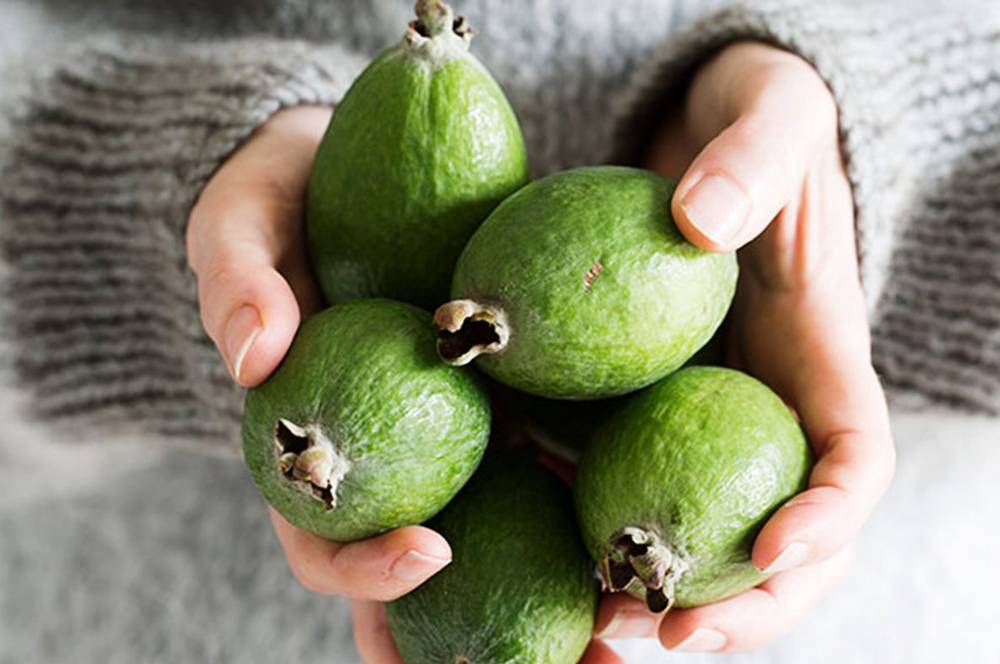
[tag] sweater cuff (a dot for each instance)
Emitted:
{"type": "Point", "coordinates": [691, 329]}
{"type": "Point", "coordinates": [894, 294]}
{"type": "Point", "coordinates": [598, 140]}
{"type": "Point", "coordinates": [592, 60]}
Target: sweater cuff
{"type": "Point", "coordinates": [918, 96]}
{"type": "Point", "coordinates": [862, 54]}
{"type": "Point", "coordinates": [109, 152]}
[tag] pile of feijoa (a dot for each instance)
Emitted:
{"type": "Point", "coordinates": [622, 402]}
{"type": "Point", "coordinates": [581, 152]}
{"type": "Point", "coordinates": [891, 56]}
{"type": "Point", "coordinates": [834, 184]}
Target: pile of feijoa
{"type": "Point", "coordinates": [574, 305]}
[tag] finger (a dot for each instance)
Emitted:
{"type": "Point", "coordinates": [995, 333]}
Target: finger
{"type": "Point", "coordinates": [843, 411]}
{"type": "Point", "coordinates": [251, 313]}
{"type": "Point", "coordinates": [755, 617]}
{"type": "Point", "coordinates": [245, 245]}
{"type": "Point", "coordinates": [371, 634]}
{"type": "Point", "coordinates": [738, 183]}
{"type": "Point", "coordinates": [621, 616]}
{"type": "Point", "coordinates": [382, 568]}
{"type": "Point", "coordinates": [599, 652]}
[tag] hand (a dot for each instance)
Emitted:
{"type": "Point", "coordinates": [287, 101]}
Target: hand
{"type": "Point", "coordinates": [246, 244]}
{"type": "Point", "coordinates": [757, 144]}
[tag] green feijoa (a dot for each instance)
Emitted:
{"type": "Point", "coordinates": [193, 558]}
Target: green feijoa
{"type": "Point", "coordinates": [675, 486]}
{"type": "Point", "coordinates": [580, 286]}
{"type": "Point", "coordinates": [361, 429]}
{"type": "Point", "coordinates": [419, 151]}
{"type": "Point", "coordinates": [520, 588]}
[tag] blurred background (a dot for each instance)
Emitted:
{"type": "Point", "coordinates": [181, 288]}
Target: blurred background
{"type": "Point", "coordinates": [124, 551]}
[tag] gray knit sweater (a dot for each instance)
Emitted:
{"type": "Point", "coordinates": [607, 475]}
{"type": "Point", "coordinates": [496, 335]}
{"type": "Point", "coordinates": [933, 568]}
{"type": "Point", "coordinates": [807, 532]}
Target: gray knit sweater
{"type": "Point", "coordinates": [117, 135]}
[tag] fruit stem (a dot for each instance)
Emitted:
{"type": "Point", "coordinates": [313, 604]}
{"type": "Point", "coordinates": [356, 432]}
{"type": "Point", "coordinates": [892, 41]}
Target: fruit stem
{"type": "Point", "coordinates": [435, 16]}
{"type": "Point", "coordinates": [642, 565]}
{"type": "Point", "coordinates": [468, 329]}
{"type": "Point", "coordinates": [436, 24]}
{"type": "Point", "coordinates": [307, 457]}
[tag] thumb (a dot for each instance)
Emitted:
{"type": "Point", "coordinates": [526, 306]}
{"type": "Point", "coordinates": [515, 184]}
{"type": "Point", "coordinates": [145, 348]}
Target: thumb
{"type": "Point", "coordinates": [246, 246]}
{"type": "Point", "coordinates": [250, 311]}
{"type": "Point", "coordinates": [757, 165]}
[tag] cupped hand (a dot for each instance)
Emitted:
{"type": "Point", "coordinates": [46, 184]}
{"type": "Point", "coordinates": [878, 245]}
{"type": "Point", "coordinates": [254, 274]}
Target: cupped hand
{"type": "Point", "coordinates": [246, 245]}
{"type": "Point", "coordinates": [756, 148]}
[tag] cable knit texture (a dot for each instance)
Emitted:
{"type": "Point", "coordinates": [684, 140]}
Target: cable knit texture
{"type": "Point", "coordinates": [113, 149]}
{"type": "Point", "coordinates": [918, 92]}
{"type": "Point", "coordinates": [113, 144]}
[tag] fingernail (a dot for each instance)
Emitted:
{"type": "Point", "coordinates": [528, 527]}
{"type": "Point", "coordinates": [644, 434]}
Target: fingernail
{"type": "Point", "coordinates": [702, 639]}
{"type": "Point", "coordinates": [794, 555]}
{"type": "Point", "coordinates": [241, 331]}
{"type": "Point", "coordinates": [629, 625]}
{"type": "Point", "coordinates": [717, 207]}
{"type": "Point", "coordinates": [416, 566]}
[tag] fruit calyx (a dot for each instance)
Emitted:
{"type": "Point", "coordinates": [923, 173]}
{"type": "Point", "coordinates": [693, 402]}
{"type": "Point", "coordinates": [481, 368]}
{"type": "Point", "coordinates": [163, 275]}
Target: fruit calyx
{"type": "Point", "coordinates": [468, 329]}
{"type": "Point", "coordinates": [642, 565]}
{"type": "Point", "coordinates": [307, 458]}
{"type": "Point", "coordinates": [436, 22]}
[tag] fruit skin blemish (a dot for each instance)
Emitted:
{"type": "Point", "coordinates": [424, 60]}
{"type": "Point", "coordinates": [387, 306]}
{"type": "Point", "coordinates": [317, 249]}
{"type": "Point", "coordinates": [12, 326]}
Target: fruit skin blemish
{"type": "Point", "coordinates": [580, 286]}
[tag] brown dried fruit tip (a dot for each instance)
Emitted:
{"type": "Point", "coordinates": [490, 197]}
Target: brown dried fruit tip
{"type": "Point", "coordinates": [468, 329]}
{"type": "Point", "coordinates": [641, 565]}
{"type": "Point", "coordinates": [307, 458]}
{"type": "Point", "coordinates": [434, 18]}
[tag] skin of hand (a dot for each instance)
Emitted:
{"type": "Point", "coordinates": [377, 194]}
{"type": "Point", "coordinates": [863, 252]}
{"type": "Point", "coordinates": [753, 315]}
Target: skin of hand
{"type": "Point", "coordinates": [756, 147]}
{"type": "Point", "coordinates": [246, 244]}
{"type": "Point", "coordinates": [756, 142]}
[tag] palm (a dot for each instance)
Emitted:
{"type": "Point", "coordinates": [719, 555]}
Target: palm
{"type": "Point", "coordinates": [799, 302]}
{"type": "Point", "coordinates": [756, 150]}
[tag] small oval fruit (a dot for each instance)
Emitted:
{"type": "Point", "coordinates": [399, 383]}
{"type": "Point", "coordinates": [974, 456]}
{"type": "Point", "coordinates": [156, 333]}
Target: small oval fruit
{"type": "Point", "coordinates": [674, 487]}
{"type": "Point", "coordinates": [520, 588]}
{"type": "Point", "coordinates": [419, 151]}
{"type": "Point", "coordinates": [361, 429]}
{"type": "Point", "coordinates": [580, 286]}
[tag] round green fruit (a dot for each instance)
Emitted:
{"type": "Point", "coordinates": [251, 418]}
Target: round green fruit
{"type": "Point", "coordinates": [520, 588]}
{"type": "Point", "coordinates": [361, 429]}
{"type": "Point", "coordinates": [420, 150]}
{"type": "Point", "coordinates": [580, 286]}
{"type": "Point", "coordinates": [675, 486]}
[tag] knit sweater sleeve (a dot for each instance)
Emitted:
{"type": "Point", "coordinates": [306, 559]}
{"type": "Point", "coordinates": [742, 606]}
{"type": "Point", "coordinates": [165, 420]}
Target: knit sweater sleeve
{"type": "Point", "coordinates": [918, 91]}
{"type": "Point", "coordinates": [108, 154]}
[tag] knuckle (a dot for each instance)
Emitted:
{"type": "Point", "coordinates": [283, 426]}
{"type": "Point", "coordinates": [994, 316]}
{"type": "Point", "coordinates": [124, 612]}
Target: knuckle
{"type": "Point", "coordinates": [219, 277]}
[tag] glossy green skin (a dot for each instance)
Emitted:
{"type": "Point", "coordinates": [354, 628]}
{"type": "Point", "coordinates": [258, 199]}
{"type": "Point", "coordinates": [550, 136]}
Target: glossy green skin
{"type": "Point", "coordinates": [413, 429]}
{"type": "Point", "coordinates": [657, 300]}
{"type": "Point", "coordinates": [417, 155]}
{"type": "Point", "coordinates": [702, 459]}
{"type": "Point", "coordinates": [520, 588]}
